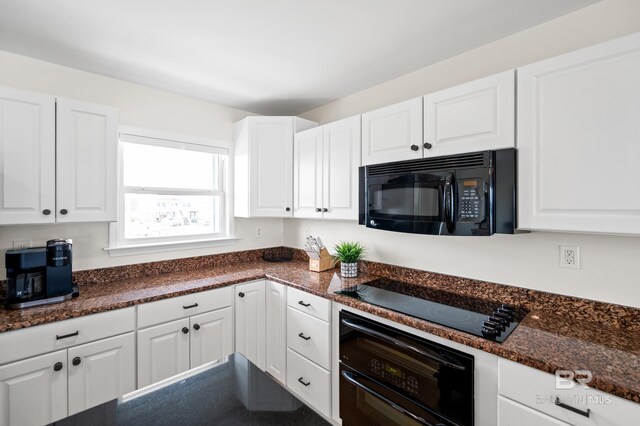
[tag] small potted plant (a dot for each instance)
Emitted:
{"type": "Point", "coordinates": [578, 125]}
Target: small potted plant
{"type": "Point", "coordinates": [348, 253]}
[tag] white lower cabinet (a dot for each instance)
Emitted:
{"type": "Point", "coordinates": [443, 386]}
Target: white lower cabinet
{"type": "Point", "coordinates": [34, 391]}
{"type": "Point", "coordinates": [100, 371]}
{"type": "Point", "coordinates": [212, 336]}
{"type": "Point", "coordinates": [250, 322]}
{"type": "Point", "coordinates": [309, 381]}
{"type": "Point", "coordinates": [511, 413]}
{"type": "Point", "coordinates": [276, 333]}
{"type": "Point", "coordinates": [163, 351]}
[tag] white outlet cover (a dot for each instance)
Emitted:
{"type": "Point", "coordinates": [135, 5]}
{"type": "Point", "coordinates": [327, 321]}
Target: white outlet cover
{"type": "Point", "coordinates": [565, 257]}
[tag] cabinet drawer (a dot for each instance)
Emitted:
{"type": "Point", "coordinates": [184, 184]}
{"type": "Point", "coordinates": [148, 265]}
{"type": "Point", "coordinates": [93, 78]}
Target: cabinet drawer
{"type": "Point", "coordinates": [538, 390]}
{"type": "Point", "coordinates": [183, 306]}
{"type": "Point", "coordinates": [513, 414]}
{"type": "Point", "coordinates": [308, 303]}
{"type": "Point", "coordinates": [309, 337]}
{"type": "Point", "coordinates": [309, 382]}
{"type": "Point", "coordinates": [40, 339]}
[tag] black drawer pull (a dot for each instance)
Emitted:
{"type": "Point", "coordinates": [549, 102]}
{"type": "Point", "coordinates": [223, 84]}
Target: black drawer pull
{"type": "Point", "coordinates": [302, 336]}
{"type": "Point", "coordinates": [306, 305]}
{"type": "Point", "coordinates": [195, 305]}
{"type": "Point", "coordinates": [64, 336]}
{"type": "Point", "coordinates": [303, 382]}
{"type": "Point", "coordinates": [570, 408]}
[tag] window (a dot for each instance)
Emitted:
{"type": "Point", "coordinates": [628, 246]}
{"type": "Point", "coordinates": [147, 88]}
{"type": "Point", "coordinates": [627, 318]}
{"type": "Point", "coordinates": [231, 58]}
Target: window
{"type": "Point", "coordinates": [171, 190]}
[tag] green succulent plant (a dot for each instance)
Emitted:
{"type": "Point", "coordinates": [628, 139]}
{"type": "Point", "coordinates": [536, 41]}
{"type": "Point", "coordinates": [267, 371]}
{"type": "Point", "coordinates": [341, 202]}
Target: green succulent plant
{"type": "Point", "coordinates": [349, 252]}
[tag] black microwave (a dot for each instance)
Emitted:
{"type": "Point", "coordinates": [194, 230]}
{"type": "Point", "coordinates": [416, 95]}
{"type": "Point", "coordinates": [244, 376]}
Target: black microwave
{"type": "Point", "coordinates": [466, 194]}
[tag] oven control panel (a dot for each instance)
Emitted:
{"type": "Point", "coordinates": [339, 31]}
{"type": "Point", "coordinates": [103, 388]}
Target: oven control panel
{"type": "Point", "coordinates": [470, 200]}
{"type": "Point", "coordinates": [394, 375]}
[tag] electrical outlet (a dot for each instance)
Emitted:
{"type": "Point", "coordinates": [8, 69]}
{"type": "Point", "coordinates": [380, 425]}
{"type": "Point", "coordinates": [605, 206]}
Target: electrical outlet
{"type": "Point", "coordinates": [570, 257]}
{"type": "Point", "coordinates": [21, 244]}
{"type": "Point", "coordinates": [259, 232]}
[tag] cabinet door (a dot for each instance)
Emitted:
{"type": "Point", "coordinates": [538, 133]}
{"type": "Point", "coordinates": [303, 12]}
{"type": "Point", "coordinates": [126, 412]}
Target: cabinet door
{"type": "Point", "coordinates": [474, 116]}
{"type": "Point", "coordinates": [307, 174]}
{"type": "Point", "coordinates": [511, 413]}
{"type": "Point", "coordinates": [271, 166]}
{"type": "Point", "coordinates": [393, 133]}
{"type": "Point", "coordinates": [32, 392]}
{"type": "Point", "coordinates": [163, 351]}
{"type": "Point", "coordinates": [276, 322]}
{"type": "Point", "coordinates": [250, 324]}
{"type": "Point", "coordinates": [27, 157]}
{"type": "Point", "coordinates": [86, 150]}
{"type": "Point", "coordinates": [211, 336]}
{"type": "Point", "coordinates": [578, 143]}
{"type": "Point", "coordinates": [101, 371]}
{"type": "Point", "coordinates": [341, 159]}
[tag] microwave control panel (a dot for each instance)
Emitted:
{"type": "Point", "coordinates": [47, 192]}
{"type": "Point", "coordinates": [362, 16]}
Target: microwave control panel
{"type": "Point", "coordinates": [470, 200]}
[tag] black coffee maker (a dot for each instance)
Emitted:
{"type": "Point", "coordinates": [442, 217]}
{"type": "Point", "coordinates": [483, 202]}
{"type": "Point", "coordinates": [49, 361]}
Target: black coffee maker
{"type": "Point", "coordinates": [39, 275]}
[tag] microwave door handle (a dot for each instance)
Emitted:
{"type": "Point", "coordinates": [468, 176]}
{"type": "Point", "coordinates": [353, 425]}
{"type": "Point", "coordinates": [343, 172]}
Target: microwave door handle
{"type": "Point", "coordinates": [399, 343]}
{"type": "Point", "coordinates": [351, 378]}
{"type": "Point", "coordinates": [449, 202]}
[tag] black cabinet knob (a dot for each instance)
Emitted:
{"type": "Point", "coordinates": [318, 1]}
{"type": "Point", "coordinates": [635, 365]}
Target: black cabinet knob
{"type": "Point", "coordinates": [241, 294]}
{"type": "Point", "coordinates": [288, 209]}
{"type": "Point", "coordinates": [46, 212]}
{"type": "Point", "coordinates": [63, 211]}
{"type": "Point", "coordinates": [325, 210]}
{"type": "Point", "coordinates": [57, 366]}
{"type": "Point", "coordinates": [76, 361]}
{"type": "Point", "coordinates": [185, 330]}
{"type": "Point", "coordinates": [414, 147]}
{"type": "Point", "coordinates": [196, 327]}
{"type": "Point", "coordinates": [318, 209]}
{"type": "Point", "coordinates": [427, 145]}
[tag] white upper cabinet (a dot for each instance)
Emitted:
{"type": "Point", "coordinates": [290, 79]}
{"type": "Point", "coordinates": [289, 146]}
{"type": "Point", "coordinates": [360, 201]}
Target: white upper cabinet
{"type": "Point", "coordinates": [578, 140]}
{"type": "Point", "coordinates": [474, 116]}
{"type": "Point", "coordinates": [326, 161]}
{"type": "Point", "coordinates": [86, 155]}
{"type": "Point", "coordinates": [27, 157]}
{"type": "Point", "coordinates": [393, 133]}
{"type": "Point", "coordinates": [263, 169]}
{"type": "Point", "coordinates": [56, 169]}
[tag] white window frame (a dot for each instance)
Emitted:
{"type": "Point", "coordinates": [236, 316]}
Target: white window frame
{"type": "Point", "coordinates": [119, 245]}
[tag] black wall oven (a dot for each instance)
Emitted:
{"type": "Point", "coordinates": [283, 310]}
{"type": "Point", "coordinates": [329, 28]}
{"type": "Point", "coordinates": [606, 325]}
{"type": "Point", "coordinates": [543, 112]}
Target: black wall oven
{"type": "Point", "coordinates": [389, 377]}
{"type": "Point", "coordinates": [467, 194]}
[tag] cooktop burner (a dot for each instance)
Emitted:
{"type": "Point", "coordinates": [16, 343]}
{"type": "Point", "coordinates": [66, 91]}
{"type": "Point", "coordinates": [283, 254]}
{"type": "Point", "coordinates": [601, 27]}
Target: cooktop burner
{"type": "Point", "coordinates": [475, 316]}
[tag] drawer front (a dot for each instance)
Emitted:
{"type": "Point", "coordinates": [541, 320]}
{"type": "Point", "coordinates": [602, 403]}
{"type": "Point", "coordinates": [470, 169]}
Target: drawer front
{"type": "Point", "coordinates": [309, 382]}
{"type": "Point", "coordinates": [32, 341]}
{"type": "Point", "coordinates": [538, 390]}
{"type": "Point", "coordinates": [183, 306]}
{"type": "Point", "coordinates": [309, 303]}
{"type": "Point", "coordinates": [513, 414]}
{"type": "Point", "coordinates": [309, 337]}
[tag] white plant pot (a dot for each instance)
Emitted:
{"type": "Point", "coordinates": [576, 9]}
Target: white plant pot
{"type": "Point", "coordinates": [349, 270]}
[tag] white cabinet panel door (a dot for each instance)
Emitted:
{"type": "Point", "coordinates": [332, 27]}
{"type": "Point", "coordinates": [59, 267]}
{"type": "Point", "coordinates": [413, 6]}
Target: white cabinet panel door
{"type": "Point", "coordinates": [271, 167]}
{"type": "Point", "coordinates": [163, 351]}
{"type": "Point", "coordinates": [307, 173]}
{"type": "Point", "coordinates": [393, 133]}
{"type": "Point", "coordinates": [474, 116]}
{"type": "Point", "coordinates": [276, 323]}
{"type": "Point", "coordinates": [511, 413]}
{"type": "Point", "coordinates": [27, 157]}
{"type": "Point", "coordinates": [341, 159]}
{"type": "Point", "coordinates": [578, 140]}
{"type": "Point", "coordinates": [250, 324]}
{"type": "Point", "coordinates": [105, 370]}
{"type": "Point", "coordinates": [211, 336]}
{"type": "Point", "coordinates": [32, 392]}
{"type": "Point", "coordinates": [86, 151]}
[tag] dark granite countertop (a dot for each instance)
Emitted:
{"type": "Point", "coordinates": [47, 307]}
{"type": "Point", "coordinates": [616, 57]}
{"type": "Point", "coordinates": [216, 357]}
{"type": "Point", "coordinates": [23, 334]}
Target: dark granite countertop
{"type": "Point", "coordinates": [547, 340]}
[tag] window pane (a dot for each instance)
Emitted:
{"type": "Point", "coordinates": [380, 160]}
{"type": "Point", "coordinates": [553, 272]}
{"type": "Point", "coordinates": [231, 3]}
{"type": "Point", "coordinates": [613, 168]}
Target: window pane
{"type": "Point", "coordinates": [161, 167]}
{"type": "Point", "coordinates": [154, 215]}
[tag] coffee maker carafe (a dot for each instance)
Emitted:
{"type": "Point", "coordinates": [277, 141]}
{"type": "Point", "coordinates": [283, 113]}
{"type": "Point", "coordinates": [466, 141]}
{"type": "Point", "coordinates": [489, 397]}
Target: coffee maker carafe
{"type": "Point", "coordinates": [39, 275]}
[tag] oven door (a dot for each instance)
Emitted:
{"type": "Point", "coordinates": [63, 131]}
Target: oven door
{"type": "Point", "coordinates": [434, 378]}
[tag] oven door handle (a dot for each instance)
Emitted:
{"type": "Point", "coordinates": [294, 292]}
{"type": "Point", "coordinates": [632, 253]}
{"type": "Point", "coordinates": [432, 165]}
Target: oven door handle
{"type": "Point", "coordinates": [403, 345]}
{"type": "Point", "coordinates": [350, 377]}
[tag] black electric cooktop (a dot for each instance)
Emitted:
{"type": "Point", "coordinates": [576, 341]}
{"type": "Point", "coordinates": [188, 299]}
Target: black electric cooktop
{"type": "Point", "coordinates": [493, 321]}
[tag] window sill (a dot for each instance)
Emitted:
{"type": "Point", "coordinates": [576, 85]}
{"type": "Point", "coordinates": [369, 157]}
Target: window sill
{"type": "Point", "coordinates": [134, 249]}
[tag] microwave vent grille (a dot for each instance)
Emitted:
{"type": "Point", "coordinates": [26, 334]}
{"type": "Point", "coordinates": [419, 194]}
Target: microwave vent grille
{"type": "Point", "coordinates": [478, 159]}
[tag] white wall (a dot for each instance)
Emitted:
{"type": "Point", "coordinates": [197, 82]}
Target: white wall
{"type": "Point", "coordinates": [138, 106]}
{"type": "Point", "coordinates": [609, 264]}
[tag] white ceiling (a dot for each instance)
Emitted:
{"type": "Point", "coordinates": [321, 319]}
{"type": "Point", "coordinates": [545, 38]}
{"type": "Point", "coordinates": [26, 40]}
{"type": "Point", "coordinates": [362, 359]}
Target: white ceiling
{"type": "Point", "coordinates": [266, 56]}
